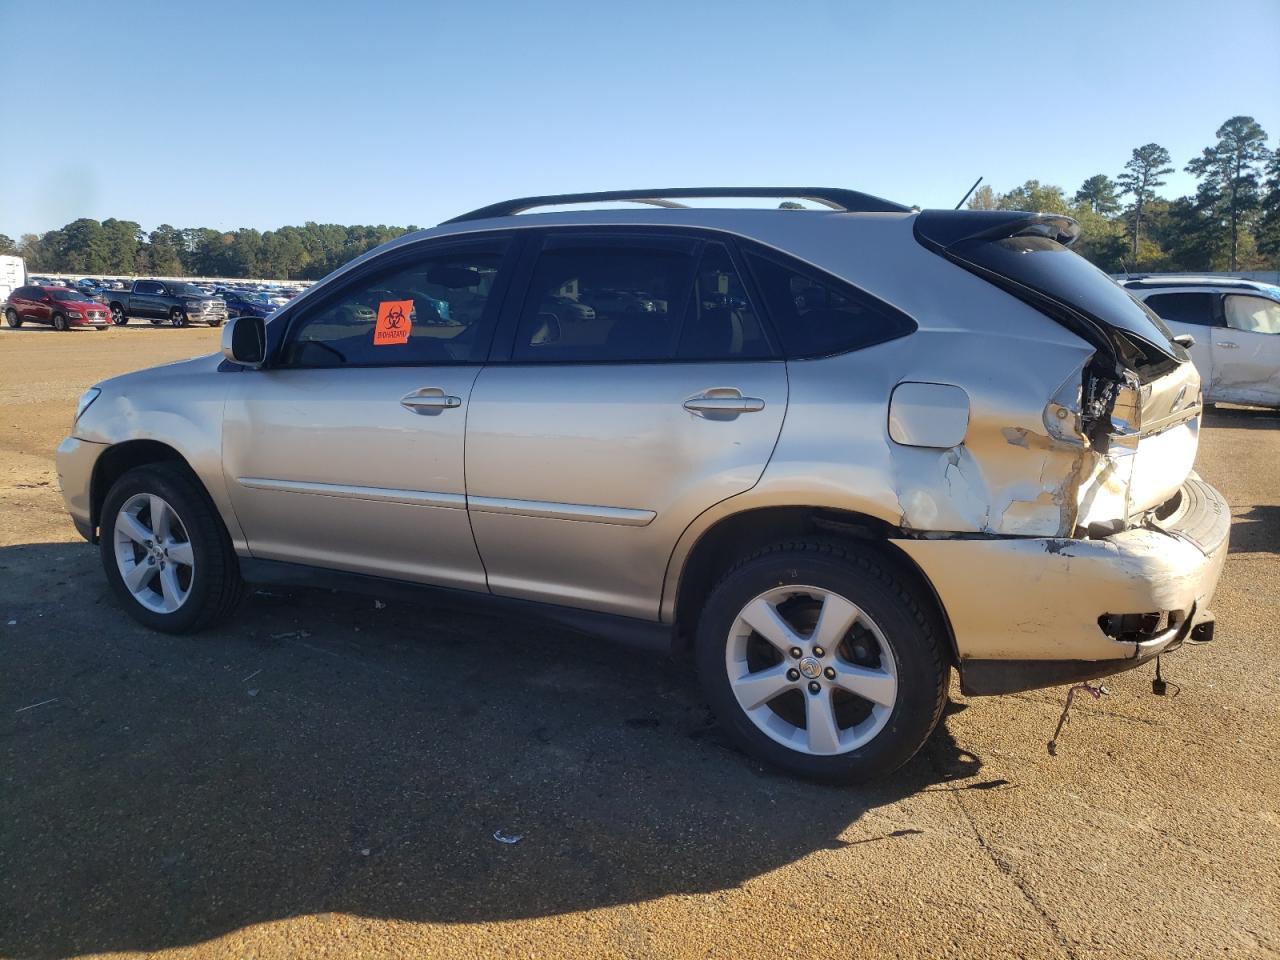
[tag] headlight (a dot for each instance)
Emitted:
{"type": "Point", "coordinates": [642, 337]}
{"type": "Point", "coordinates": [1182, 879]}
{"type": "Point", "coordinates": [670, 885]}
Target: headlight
{"type": "Point", "coordinates": [73, 313]}
{"type": "Point", "coordinates": [86, 399]}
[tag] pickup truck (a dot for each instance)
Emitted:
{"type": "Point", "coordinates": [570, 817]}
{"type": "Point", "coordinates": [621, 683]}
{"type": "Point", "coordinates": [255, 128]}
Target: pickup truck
{"type": "Point", "coordinates": [159, 301]}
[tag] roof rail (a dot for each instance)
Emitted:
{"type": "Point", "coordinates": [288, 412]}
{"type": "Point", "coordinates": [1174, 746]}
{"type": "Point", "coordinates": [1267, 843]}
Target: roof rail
{"type": "Point", "coordinates": [848, 201]}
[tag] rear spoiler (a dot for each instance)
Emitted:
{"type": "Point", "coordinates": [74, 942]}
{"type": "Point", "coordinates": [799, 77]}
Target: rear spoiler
{"type": "Point", "coordinates": [940, 229]}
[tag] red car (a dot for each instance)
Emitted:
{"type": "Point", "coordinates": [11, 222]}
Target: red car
{"type": "Point", "coordinates": [59, 306]}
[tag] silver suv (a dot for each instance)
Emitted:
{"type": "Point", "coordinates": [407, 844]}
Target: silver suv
{"type": "Point", "coordinates": [832, 453]}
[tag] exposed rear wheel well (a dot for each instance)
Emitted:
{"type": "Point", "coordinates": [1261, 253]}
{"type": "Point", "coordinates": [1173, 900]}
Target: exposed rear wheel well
{"type": "Point", "coordinates": [119, 460]}
{"type": "Point", "coordinates": [742, 534]}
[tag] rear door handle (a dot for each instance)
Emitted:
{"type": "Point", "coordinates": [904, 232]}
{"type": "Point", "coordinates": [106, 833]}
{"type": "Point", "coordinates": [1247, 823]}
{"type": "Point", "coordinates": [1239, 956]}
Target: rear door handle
{"type": "Point", "coordinates": [723, 400]}
{"type": "Point", "coordinates": [429, 400]}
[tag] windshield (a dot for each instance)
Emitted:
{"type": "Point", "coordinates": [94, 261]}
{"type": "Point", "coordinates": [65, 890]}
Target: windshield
{"type": "Point", "coordinates": [71, 295]}
{"type": "Point", "coordinates": [186, 290]}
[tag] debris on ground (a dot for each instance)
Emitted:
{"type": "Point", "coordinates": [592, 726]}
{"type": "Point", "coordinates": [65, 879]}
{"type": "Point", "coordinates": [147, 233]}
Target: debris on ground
{"type": "Point", "coordinates": [34, 705]}
{"type": "Point", "coordinates": [379, 605]}
{"type": "Point", "coordinates": [292, 635]}
{"type": "Point", "coordinates": [253, 692]}
{"type": "Point", "coordinates": [1095, 692]}
{"type": "Point", "coordinates": [504, 837]}
{"type": "Point", "coordinates": [252, 675]}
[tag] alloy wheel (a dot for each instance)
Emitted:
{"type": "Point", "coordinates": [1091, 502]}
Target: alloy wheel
{"type": "Point", "coordinates": [154, 553]}
{"type": "Point", "coordinates": [811, 670]}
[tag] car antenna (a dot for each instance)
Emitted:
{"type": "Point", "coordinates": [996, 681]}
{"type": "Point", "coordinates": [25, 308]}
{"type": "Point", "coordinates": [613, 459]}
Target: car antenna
{"type": "Point", "coordinates": [966, 196]}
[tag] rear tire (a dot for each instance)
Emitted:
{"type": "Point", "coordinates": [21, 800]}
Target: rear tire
{"type": "Point", "coordinates": [60, 323]}
{"type": "Point", "coordinates": [869, 685]}
{"type": "Point", "coordinates": [11, 317]}
{"type": "Point", "coordinates": [169, 594]}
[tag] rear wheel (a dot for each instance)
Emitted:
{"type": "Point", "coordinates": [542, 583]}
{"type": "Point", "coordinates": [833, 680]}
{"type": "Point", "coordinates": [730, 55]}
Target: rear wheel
{"type": "Point", "coordinates": [822, 659]}
{"type": "Point", "coordinates": [165, 551]}
{"type": "Point", "coordinates": [118, 316]}
{"type": "Point", "coordinates": [60, 322]}
{"type": "Point", "coordinates": [177, 317]}
{"type": "Point", "coordinates": [11, 317]}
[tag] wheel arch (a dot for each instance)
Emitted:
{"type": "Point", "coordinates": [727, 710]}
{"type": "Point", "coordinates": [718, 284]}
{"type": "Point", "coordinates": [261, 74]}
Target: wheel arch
{"type": "Point", "coordinates": [724, 542]}
{"type": "Point", "coordinates": [119, 459]}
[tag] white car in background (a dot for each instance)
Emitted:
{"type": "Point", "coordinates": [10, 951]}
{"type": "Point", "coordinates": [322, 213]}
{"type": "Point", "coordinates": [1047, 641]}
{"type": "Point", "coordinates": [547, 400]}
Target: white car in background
{"type": "Point", "coordinates": [1236, 327]}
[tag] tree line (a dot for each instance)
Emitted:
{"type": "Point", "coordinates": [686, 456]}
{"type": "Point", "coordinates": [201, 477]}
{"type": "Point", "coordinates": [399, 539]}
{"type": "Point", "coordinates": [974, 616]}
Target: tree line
{"type": "Point", "coordinates": [122, 247]}
{"type": "Point", "coordinates": [1231, 222]}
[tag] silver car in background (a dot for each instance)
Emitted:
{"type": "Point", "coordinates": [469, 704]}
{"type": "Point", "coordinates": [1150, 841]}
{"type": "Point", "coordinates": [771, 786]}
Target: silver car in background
{"type": "Point", "coordinates": [833, 454]}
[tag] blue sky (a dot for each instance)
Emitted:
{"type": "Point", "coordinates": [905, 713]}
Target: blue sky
{"type": "Point", "coordinates": [261, 114]}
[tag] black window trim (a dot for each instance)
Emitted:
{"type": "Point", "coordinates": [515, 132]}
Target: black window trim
{"type": "Point", "coordinates": [820, 276]}
{"type": "Point", "coordinates": [285, 322]}
{"type": "Point", "coordinates": [503, 349]}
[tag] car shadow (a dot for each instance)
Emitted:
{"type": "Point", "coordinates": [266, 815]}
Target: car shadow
{"type": "Point", "coordinates": [1257, 531]}
{"type": "Point", "coordinates": [327, 752]}
{"type": "Point", "coordinates": [1242, 418]}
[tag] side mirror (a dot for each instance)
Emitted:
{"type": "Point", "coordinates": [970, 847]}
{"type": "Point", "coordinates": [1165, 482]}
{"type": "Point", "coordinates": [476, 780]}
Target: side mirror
{"type": "Point", "coordinates": [1185, 340]}
{"type": "Point", "coordinates": [244, 341]}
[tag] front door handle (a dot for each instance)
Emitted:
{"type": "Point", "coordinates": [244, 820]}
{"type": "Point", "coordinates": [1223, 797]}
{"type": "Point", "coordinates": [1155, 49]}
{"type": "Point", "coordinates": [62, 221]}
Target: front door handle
{"type": "Point", "coordinates": [723, 401]}
{"type": "Point", "coordinates": [429, 400]}
{"type": "Point", "coordinates": [1227, 343]}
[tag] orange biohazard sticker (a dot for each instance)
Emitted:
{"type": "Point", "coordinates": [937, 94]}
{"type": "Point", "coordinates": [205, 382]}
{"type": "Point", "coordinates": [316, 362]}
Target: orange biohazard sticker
{"type": "Point", "coordinates": [394, 322]}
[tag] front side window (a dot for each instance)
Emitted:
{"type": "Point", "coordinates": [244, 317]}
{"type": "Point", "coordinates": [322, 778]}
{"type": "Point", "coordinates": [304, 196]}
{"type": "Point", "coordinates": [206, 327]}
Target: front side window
{"type": "Point", "coordinates": [605, 300]}
{"type": "Point", "coordinates": [816, 316]}
{"type": "Point", "coordinates": [1194, 308]}
{"type": "Point", "coordinates": [432, 309]}
{"type": "Point", "coordinates": [1252, 314]}
{"type": "Point", "coordinates": [149, 287]}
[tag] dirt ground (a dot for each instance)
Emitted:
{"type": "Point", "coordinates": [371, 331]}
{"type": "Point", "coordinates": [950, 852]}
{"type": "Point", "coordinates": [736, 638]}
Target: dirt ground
{"type": "Point", "coordinates": [324, 776]}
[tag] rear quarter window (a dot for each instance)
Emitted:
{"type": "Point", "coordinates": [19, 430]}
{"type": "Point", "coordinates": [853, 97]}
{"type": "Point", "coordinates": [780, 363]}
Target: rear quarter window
{"type": "Point", "coordinates": [818, 315]}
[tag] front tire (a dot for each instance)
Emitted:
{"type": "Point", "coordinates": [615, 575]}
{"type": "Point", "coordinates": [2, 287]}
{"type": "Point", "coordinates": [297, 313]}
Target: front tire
{"type": "Point", "coordinates": [166, 552]}
{"type": "Point", "coordinates": [60, 323]}
{"type": "Point", "coordinates": [11, 317]}
{"type": "Point", "coordinates": [118, 316]}
{"type": "Point", "coordinates": [824, 659]}
{"type": "Point", "coordinates": [178, 317]}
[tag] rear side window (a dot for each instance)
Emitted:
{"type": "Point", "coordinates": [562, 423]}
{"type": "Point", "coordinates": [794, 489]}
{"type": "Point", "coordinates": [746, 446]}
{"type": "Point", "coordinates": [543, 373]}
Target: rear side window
{"type": "Point", "coordinates": [721, 323]}
{"type": "Point", "coordinates": [816, 315]}
{"type": "Point", "coordinates": [434, 308]}
{"type": "Point", "coordinates": [1194, 308]}
{"type": "Point", "coordinates": [605, 300]}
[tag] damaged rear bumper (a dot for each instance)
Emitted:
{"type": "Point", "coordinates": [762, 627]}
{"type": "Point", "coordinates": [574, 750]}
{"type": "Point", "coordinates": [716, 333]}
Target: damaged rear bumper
{"type": "Point", "coordinates": [1036, 612]}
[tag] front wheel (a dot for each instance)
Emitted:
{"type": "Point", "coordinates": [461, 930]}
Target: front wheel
{"type": "Point", "coordinates": [177, 317]}
{"type": "Point", "coordinates": [11, 317]}
{"type": "Point", "coordinates": [823, 659]}
{"type": "Point", "coordinates": [60, 322]}
{"type": "Point", "coordinates": [165, 551]}
{"type": "Point", "coordinates": [118, 316]}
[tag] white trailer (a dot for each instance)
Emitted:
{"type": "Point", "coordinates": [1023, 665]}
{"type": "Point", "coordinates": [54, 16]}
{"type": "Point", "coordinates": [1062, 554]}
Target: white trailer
{"type": "Point", "coordinates": [13, 274]}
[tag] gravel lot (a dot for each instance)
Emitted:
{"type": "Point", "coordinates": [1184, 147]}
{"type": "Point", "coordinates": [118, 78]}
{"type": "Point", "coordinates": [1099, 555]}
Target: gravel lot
{"type": "Point", "coordinates": [324, 776]}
